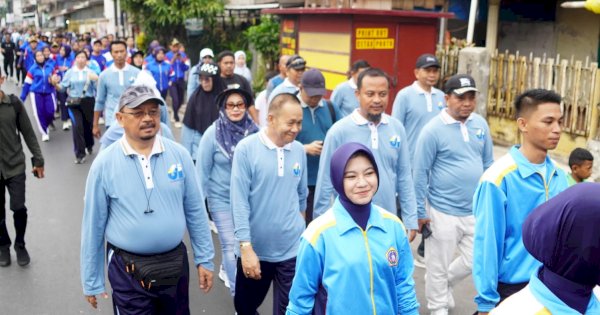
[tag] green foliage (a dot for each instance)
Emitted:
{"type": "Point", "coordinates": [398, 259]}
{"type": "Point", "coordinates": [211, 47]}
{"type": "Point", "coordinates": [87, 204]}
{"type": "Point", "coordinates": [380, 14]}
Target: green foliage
{"type": "Point", "coordinates": [265, 38]}
{"type": "Point", "coordinates": [164, 19]}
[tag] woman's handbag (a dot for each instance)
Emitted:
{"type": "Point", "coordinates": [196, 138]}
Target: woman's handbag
{"type": "Point", "coordinates": [76, 101]}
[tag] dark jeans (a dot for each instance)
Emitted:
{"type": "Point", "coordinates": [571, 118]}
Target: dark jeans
{"type": "Point", "coordinates": [16, 190]}
{"type": "Point", "coordinates": [250, 293]}
{"type": "Point", "coordinates": [82, 118]}
{"type": "Point", "coordinates": [9, 65]}
{"type": "Point", "coordinates": [177, 90]}
{"type": "Point", "coordinates": [129, 297]}
{"type": "Point", "coordinates": [310, 204]}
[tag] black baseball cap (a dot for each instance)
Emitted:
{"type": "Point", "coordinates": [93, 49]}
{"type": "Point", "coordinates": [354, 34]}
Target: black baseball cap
{"type": "Point", "coordinates": [460, 84]}
{"type": "Point", "coordinates": [296, 62]}
{"type": "Point", "coordinates": [426, 61]}
{"type": "Point", "coordinates": [313, 83]}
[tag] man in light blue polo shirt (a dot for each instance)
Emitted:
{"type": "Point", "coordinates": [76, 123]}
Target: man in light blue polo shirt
{"type": "Point", "coordinates": [141, 194]}
{"type": "Point", "coordinates": [268, 198]}
{"type": "Point", "coordinates": [344, 95]}
{"type": "Point", "coordinates": [452, 152]}
{"type": "Point", "coordinates": [111, 84]}
{"type": "Point", "coordinates": [386, 137]}
{"type": "Point", "coordinates": [295, 66]}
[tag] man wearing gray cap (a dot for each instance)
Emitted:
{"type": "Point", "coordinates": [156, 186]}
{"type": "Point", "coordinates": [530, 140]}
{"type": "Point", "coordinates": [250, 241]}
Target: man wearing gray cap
{"type": "Point", "coordinates": [295, 66]}
{"type": "Point", "coordinates": [318, 116]}
{"type": "Point", "coordinates": [141, 194]}
{"type": "Point", "coordinates": [452, 152]}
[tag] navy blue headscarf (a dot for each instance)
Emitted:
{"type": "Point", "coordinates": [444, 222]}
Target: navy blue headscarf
{"type": "Point", "coordinates": [339, 160]}
{"type": "Point", "coordinates": [564, 234]}
{"type": "Point", "coordinates": [229, 133]}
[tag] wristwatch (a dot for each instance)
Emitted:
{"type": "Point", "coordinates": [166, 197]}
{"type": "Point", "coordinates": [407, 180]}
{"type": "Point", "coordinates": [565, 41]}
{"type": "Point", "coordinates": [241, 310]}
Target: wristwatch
{"type": "Point", "coordinates": [244, 244]}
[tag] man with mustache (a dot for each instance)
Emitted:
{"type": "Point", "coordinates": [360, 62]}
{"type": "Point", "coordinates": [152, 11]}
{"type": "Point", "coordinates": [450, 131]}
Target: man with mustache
{"type": "Point", "coordinates": [141, 194]}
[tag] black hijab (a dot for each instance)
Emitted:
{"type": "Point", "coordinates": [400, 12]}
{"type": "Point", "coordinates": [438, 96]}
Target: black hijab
{"type": "Point", "coordinates": [202, 109]}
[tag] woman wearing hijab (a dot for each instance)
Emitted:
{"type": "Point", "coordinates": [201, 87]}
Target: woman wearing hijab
{"type": "Point", "coordinates": [80, 84]}
{"type": "Point", "coordinates": [202, 109]}
{"type": "Point", "coordinates": [240, 66]}
{"type": "Point", "coordinates": [563, 235]}
{"type": "Point", "coordinates": [137, 59]}
{"type": "Point", "coordinates": [38, 85]}
{"type": "Point", "coordinates": [356, 251]}
{"type": "Point", "coordinates": [64, 61]}
{"type": "Point", "coordinates": [214, 168]}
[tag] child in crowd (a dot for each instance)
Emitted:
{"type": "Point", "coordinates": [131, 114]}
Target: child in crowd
{"type": "Point", "coordinates": [580, 162]}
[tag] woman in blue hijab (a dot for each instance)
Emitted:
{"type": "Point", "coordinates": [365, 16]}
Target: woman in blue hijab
{"type": "Point", "coordinates": [213, 163]}
{"type": "Point", "coordinates": [356, 252]}
{"type": "Point", "coordinates": [563, 234]}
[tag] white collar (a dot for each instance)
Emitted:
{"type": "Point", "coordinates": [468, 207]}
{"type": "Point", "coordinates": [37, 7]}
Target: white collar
{"type": "Point", "coordinates": [262, 135]}
{"type": "Point", "coordinates": [420, 90]}
{"type": "Point", "coordinates": [114, 68]}
{"type": "Point", "coordinates": [157, 147]}
{"type": "Point", "coordinates": [360, 120]}
{"type": "Point", "coordinates": [289, 83]}
{"type": "Point", "coordinates": [352, 84]}
{"type": "Point", "coordinates": [448, 120]}
{"type": "Point", "coordinates": [304, 105]}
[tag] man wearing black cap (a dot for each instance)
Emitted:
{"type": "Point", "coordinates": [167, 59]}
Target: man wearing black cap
{"type": "Point", "coordinates": [295, 66]}
{"type": "Point", "coordinates": [414, 106]}
{"type": "Point", "coordinates": [226, 62]}
{"type": "Point", "coordinates": [456, 147]}
{"type": "Point", "coordinates": [141, 194]}
{"type": "Point", "coordinates": [318, 116]}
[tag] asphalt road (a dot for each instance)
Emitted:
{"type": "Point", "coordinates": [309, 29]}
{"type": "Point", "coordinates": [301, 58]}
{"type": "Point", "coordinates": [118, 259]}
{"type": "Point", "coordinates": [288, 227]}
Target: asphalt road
{"type": "Point", "coordinates": [51, 283]}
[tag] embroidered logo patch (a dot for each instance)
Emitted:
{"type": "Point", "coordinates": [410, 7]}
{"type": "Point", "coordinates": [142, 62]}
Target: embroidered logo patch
{"type": "Point", "coordinates": [392, 256]}
{"type": "Point", "coordinates": [296, 169]}
{"type": "Point", "coordinates": [480, 133]}
{"type": "Point", "coordinates": [175, 172]}
{"type": "Point", "coordinates": [395, 141]}
{"type": "Point", "coordinates": [441, 105]}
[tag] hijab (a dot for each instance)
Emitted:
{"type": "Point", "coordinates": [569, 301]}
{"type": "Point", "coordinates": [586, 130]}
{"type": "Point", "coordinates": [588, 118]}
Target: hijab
{"type": "Point", "coordinates": [339, 160]}
{"type": "Point", "coordinates": [202, 109]}
{"type": "Point", "coordinates": [243, 70]}
{"type": "Point", "coordinates": [229, 133]}
{"type": "Point", "coordinates": [563, 234]}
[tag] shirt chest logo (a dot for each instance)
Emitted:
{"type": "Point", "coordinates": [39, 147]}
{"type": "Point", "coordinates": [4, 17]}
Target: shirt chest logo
{"type": "Point", "coordinates": [392, 257]}
{"type": "Point", "coordinates": [480, 133]}
{"type": "Point", "coordinates": [440, 105]}
{"type": "Point", "coordinates": [175, 172]}
{"type": "Point", "coordinates": [395, 141]}
{"type": "Point", "coordinates": [296, 169]}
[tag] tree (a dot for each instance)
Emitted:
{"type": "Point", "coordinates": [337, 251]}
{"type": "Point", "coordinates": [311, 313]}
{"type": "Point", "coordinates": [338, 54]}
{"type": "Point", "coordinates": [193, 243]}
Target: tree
{"type": "Point", "coordinates": [165, 19]}
{"type": "Point", "coordinates": [265, 38]}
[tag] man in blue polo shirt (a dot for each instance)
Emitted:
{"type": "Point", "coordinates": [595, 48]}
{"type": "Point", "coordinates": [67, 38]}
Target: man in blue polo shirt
{"type": "Point", "coordinates": [141, 194]}
{"type": "Point", "coordinates": [454, 147]}
{"type": "Point", "coordinates": [319, 115]}
{"type": "Point", "coordinates": [508, 191]}
{"type": "Point", "coordinates": [386, 137]}
{"type": "Point", "coordinates": [268, 198]}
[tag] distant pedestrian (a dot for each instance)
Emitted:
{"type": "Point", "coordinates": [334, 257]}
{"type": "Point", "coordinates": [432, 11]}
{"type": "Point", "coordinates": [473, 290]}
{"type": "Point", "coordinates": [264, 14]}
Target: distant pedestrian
{"type": "Point", "coordinates": [141, 194]}
{"type": "Point", "coordinates": [15, 123]}
{"type": "Point", "coordinates": [581, 162]}
{"type": "Point", "coordinates": [240, 66]}
{"type": "Point", "coordinates": [344, 95]}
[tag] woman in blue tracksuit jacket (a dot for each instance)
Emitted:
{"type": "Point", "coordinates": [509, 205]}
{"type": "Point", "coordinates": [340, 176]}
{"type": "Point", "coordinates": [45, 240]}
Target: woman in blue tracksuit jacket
{"type": "Point", "coordinates": [563, 235]}
{"type": "Point", "coordinates": [356, 252]}
{"type": "Point", "coordinates": [161, 71]}
{"type": "Point", "coordinates": [39, 86]}
{"type": "Point", "coordinates": [64, 61]}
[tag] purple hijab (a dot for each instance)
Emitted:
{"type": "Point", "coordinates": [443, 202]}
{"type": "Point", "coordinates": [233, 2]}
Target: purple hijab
{"type": "Point", "coordinates": [563, 234]}
{"type": "Point", "coordinates": [359, 213]}
{"type": "Point", "coordinates": [229, 133]}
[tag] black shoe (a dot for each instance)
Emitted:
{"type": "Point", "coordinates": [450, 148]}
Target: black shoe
{"type": "Point", "coordinates": [5, 256]}
{"type": "Point", "coordinates": [90, 150]}
{"type": "Point", "coordinates": [22, 255]}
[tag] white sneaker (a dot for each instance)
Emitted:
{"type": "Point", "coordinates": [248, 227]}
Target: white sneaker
{"type": "Point", "coordinates": [45, 138]}
{"type": "Point", "coordinates": [223, 276]}
{"type": "Point", "coordinates": [213, 227]}
{"type": "Point", "coordinates": [66, 125]}
{"type": "Point", "coordinates": [101, 121]}
{"type": "Point", "coordinates": [178, 124]}
{"type": "Point", "coordinates": [419, 261]}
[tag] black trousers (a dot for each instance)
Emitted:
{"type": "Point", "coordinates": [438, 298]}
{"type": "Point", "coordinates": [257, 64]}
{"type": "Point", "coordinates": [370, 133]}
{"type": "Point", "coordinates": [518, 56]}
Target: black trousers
{"type": "Point", "coordinates": [16, 190]}
{"type": "Point", "coordinates": [61, 98]}
{"type": "Point", "coordinates": [250, 293]}
{"type": "Point", "coordinates": [310, 203]}
{"type": "Point", "coordinates": [177, 91]}
{"type": "Point", "coordinates": [9, 65]}
{"type": "Point", "coordinates": [82, 118]}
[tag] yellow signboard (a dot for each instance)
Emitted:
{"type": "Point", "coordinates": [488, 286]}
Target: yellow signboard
{"type": "Point", "coordinates": [386, 43]}
{"type": "Point", "coordinates": [372, 32]}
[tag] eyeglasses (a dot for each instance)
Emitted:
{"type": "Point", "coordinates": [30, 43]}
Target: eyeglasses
{"type": "Point", "coordinates": [240, 105]}
{"type": "Point", "coordinates": [142, 114]}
